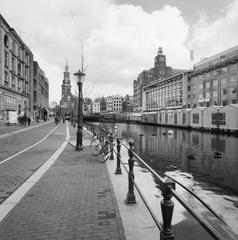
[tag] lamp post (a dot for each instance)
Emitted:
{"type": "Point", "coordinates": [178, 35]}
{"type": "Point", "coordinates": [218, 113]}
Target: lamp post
{"type": "Point", "coordinates": [79, 143]}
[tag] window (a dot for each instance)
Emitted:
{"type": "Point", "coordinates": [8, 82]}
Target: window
{"type": "Point", "coordinates": [233, 90]}
{"type": "Point", "coordinates": [184, 118]}
{"type": "Point", "coordinates": [207, 94]}
{"type": "Point", "coordinates": [166, 117]}
{"type": "Point", "coordinates": [6, 79]}
{"type": "Point", "coordinates": [19, 85]}
{"type": "Point", "coordinates": [19, 68]}
{"type": "Point", "coordinates": [215, 83]}
{"type": "Point", "coordinates": [196, 118]}
{"type": "Point", "coordinates": [233, 79]}
{"type": "Point", "coordinates": [218, 118]}
{"type": "Point", "coordinates": [13, 64]}
{"type": "Point", "coordinates": [188, 88]}
{"type": "Point", "coordinates": [215, 93]}
{"type": "Point", "coordinates": [13, 81]}
{"type": "Point", "coordinates": [224, 69]}
{"type": "Point", "coordinates": [175, 118]}
{"type": "Point", "coordinates": [6, 41]}
{"type": "Point", "coordinates": [6, 58]}
{"type": "Point", "coordinates": [208, 85]}
{"type": "Point", "coordinates": [223, 92]}
{"type": "Point", "coordinates": [223, 82]}
{"type": "Point", "coordinates": [13, 47]}
{"type": "Point", "coordinates": [200, 86]}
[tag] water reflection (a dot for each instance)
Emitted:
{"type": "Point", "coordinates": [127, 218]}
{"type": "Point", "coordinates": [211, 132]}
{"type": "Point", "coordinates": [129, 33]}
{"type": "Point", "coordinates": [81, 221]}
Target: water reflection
{"type": "Point", "coordinates": [211, 158]}
{"type": "Point", "coordinates": [205, 163]}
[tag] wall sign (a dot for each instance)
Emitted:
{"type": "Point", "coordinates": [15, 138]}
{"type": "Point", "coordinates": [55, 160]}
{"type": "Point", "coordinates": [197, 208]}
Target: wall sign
{"type": "Point", "coordinates": [10, 101]}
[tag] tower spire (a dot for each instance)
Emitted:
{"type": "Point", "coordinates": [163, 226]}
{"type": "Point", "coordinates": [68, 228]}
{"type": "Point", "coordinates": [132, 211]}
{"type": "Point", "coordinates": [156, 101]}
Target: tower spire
{"type": "Point", "coordinates": [66, 66]}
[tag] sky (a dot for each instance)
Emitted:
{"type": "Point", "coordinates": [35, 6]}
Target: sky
{"type": "Point", "coordinates": [119, 38]}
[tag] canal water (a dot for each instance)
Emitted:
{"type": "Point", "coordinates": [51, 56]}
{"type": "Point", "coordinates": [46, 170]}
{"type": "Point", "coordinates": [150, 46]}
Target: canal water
{"type": "Point", "coordinates": [205, 163]}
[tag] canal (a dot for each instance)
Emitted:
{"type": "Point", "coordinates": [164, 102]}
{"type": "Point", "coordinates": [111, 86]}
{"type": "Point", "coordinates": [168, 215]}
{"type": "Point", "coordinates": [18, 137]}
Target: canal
{"type": "Point", "coordinates": [205, 163]}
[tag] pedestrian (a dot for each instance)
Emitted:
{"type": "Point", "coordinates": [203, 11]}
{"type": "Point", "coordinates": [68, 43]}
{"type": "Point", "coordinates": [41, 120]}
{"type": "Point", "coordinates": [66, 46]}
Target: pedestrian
{"type": "Point", "coordinates": [24, 120]}
{"type": "Point", "coordinates": [56, 120]}
{"type": "Point", "coordinates": [29, 121]}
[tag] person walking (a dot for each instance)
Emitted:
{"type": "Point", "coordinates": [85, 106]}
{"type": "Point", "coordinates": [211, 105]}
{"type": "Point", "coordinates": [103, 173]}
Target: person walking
{"type": "Point", "coordinates": [29, 121]}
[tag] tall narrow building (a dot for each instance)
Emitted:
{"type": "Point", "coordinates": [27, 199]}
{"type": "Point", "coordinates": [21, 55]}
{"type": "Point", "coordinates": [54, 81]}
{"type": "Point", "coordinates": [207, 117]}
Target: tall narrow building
{"type": "Point", "coordinates": [68, 101]}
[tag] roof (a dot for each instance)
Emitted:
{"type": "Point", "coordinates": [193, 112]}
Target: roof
{"type": "Point", "coordinates": [219, 56]}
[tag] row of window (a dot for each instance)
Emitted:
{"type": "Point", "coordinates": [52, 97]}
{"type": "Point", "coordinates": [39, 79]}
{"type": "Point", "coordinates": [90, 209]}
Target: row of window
{"type": "Point", "coordinates": [21, 53]}
{"type": "Point", "coordinates": [223, 82]}
{"type": "Point", "coordinates": [16, 66]}
{"type": "Point", "coordinates": [216, 72]}
{"type": "Point", "coordinates": [217, 118]}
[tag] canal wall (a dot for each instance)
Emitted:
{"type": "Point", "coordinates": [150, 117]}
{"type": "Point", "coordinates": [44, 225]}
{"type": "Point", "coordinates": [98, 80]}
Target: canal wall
{"type": "Point", "coordinates": [201, 119]}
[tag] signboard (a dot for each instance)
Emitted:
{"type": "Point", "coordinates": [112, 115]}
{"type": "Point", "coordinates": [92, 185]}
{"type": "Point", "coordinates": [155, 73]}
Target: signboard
{"type": "Point", "coordinates": [10, 101]}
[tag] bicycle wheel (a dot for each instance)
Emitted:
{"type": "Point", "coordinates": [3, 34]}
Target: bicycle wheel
{"type": "Point", "coordinates": [104, 157]}
{"type": "Point", "coordinates": [95, 147]}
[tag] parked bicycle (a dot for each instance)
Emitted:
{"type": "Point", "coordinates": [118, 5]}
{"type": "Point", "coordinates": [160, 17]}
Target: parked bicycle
{"type": "Point", "coordinates": [100, 146]}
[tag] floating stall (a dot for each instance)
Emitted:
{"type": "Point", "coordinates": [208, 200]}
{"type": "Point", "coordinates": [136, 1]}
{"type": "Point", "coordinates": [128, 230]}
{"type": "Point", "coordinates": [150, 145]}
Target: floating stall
{"type": "Point", "coordinates": [197, 117]}
{"type": "Point", "coordinates": [211, 117]}
{"type": "Point", "coordinates": [229, 117]}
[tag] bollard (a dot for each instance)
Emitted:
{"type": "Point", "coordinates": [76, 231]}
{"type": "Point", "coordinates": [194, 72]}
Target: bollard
{"type": "Point", "coordinates": [118, 169]}
{"type": "Point", "coordinates": [111, 147]}
{"type": "Point", "coordinates": [130, 198]}
{"type": "Point", "coordinates": [167, 207]}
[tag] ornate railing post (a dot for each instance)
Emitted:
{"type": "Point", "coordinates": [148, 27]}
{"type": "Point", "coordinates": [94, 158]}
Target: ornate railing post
{"type": "Point", "coordinates": [118, 169]}
{"type": "Point", "coordinates": [167, 207]}
{"type": "Point", "coordinates": [111, 139]}
{"type": "Point", "coordinates": [130, 198]}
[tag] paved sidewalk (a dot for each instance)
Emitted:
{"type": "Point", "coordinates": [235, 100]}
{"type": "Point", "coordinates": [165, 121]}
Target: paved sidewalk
{"type": "Point", "coordinates": [73, 200]}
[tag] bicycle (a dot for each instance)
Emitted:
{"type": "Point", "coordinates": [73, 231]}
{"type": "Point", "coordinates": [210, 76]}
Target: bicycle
{"type": "Point", "coordinates": [101, 146]}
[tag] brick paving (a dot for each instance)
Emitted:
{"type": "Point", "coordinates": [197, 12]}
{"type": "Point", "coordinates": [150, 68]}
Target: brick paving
{"type": "Point", "coordinates": [73, 200]}
{"type": "Point", "coordinates": [14, 172]}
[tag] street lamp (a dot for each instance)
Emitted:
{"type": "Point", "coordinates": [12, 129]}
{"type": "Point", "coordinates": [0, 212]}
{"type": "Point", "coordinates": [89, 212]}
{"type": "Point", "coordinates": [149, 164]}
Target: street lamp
{"type": "Point", "coordinates": [79, 143]}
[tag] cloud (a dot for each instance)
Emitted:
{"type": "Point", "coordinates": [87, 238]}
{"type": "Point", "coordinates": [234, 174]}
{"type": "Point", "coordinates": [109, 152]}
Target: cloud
{"type": "Point", "coordinates": [209, 38]}
{"type": "Point", "coordinates": [119, 40]}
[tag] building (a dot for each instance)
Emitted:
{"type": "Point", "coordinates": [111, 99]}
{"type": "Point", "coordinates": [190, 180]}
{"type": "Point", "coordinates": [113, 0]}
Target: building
{"type": "Point", "coordinates": [87, 106]}
{"type": "Point", "coordinates": [169, 93]}
{"type": "Point", "coordinates": [109, 102]}
{"type": "Point", "coordinates": [128, 104]}
{"type": "Point", "coordinates": [16, 73]}
{"type": "Point", "coordinates": [214, 80]}
{"type": "Point", "coordinates": [159, 72]}
{"type": "Point", "coordinates": [40, 93]}
{"type": "Point", "coordinates": [68, 102]}
{"type": "Point", "coordinates": [117, 104]}
{"type": "Point", "coordinates": [96, 105]}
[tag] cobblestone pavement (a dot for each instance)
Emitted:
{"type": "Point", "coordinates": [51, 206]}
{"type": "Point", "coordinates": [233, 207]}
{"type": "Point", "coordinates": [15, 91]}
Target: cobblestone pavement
{"type": "Point", "coordinates": [4, 129]}
{"type": "Point", "coordinates": [73, 200]}
{"type": "Point", "coordinates": [13, 143]}
{"type": "Point", "coordinates": [15, 171]}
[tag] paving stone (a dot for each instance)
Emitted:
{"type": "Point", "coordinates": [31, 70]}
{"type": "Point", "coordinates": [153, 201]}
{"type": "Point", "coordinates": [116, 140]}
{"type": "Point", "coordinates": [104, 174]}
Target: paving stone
{"type": "Point", "coordinates": [73, 200]}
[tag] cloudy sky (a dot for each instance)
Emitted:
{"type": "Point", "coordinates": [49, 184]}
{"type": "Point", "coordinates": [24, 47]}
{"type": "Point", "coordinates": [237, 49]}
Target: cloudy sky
{"type": "Point", "coordinates": [120, 38]}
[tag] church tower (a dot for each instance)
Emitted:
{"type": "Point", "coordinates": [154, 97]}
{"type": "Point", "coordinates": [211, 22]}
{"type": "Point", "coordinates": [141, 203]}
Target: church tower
{"type": "Point", "coordinates": [68, 101]}
{"type": "Point", "coordinates": [66, 86]}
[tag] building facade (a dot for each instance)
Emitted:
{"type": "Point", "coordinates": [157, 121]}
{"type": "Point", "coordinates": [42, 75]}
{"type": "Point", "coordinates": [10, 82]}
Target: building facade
{"type": "Point", "coordinates": [16, 74]}
{"type": "Point", "coordinates": [159, 72]}
{"type": "Point", "coordinates": [214, 80]}
{"type": "Point", "coordinates": [40, 93]}
{"type": "Point", "coordinates": [169, 93]}
{"type": "Point", "coordinates": [68, 102]}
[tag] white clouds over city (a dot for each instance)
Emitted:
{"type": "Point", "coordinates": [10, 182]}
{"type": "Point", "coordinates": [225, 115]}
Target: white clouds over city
{"type": "Point", "coordinates": [119, 40]}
